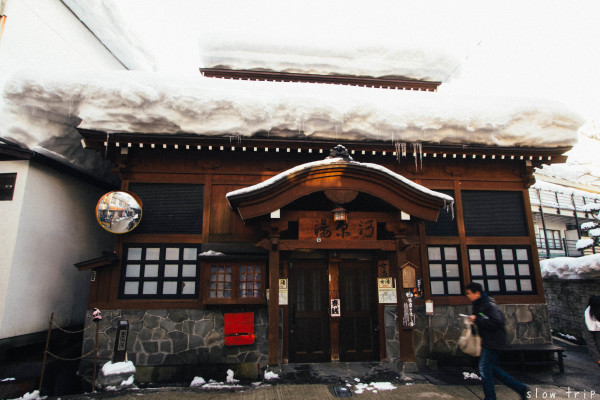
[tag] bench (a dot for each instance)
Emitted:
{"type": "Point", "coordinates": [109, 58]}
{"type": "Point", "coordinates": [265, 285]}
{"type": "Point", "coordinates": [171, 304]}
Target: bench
{"type": "Point", "coordinates": [533, 355]}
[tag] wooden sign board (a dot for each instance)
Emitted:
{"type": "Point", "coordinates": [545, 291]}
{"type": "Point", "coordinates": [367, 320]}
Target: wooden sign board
{"type": "Point", "coordinates": [409, 276]}
{"type": "Point", "coordinates": [326, 228]}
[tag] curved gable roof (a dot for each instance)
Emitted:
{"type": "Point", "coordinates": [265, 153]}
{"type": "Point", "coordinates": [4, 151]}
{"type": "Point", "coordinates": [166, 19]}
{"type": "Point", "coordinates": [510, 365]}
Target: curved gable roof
{"type": "Point", "coordinates": [340, 174]}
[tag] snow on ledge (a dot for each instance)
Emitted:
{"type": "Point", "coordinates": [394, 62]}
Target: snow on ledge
{"type": "Point", "coordinates": [571, 267]}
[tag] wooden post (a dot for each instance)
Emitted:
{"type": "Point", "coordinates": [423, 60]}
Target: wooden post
{"type": "Point", "coordinates": [95, 358]}
{"type": "Point", "coordinates": [274, 300]}
{"type": "Point", "coordinates": [46, 351]}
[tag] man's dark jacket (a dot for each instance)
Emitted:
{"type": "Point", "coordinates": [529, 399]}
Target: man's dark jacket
{"type": "Point", "coordinates": [490, 322]}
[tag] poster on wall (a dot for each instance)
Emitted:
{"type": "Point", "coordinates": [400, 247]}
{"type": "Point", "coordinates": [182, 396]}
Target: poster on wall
{"type": "Point", "coordinates": [283, 292]}
{"type": "Point", "coordinates": [408, 315]}
{"type": "Point", "coordinates": [386, 291]}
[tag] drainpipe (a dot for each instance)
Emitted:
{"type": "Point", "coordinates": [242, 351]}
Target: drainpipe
{"type": "Point", "coordinates": [539, 192]}
{"type": "Point", "coordinates": [576, 219]}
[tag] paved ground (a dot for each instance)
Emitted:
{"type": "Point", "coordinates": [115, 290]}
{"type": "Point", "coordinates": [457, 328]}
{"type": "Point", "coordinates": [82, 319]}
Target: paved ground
{"type": "Point", "coordinates": [580, 381]}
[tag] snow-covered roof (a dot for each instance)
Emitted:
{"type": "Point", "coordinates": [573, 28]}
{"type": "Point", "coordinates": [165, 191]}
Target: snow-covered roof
{"type": "Point", "coordinates": [448, 200]}
{"type": "Point", "coordinates": [571, 267]}
{"type": "Point", "coordinates": [44, 110]}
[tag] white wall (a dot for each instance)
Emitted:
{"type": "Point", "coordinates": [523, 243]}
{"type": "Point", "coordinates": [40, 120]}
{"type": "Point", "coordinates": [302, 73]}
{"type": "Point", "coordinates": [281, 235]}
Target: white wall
{"type": "Point", "coordinates": [45, 35]}
{"type": "Point", "coordinates": [10, 213]}
{"type": "Point", "coordinates": [57, 228]}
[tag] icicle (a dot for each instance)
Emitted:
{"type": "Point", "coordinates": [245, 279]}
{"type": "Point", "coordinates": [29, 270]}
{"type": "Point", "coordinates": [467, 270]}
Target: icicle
{"type": "Point", "coordinates": [417, 147]}
{"type": "Point", "coordinates": [106, 147]}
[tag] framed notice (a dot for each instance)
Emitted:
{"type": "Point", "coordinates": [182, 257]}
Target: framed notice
{"type": "Point", "coordinates": [385, 283]}
{"type": "Point", "coordinates": [387, 296]}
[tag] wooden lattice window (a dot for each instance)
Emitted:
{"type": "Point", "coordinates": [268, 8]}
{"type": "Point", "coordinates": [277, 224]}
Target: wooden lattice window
{"type": "Point", "coordinates": [234, 282]}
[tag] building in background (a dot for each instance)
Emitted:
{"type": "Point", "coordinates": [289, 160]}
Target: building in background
{"type": "Point", "coordinates": [558, 213]}
{"type": "Point", "coordinates": [46, 203]}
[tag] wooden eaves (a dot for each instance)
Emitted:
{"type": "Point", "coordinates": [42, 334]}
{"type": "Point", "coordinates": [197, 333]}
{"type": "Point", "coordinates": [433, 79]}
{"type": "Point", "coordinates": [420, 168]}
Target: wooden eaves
{"type": "Point", "coordinates": [122, 142]}
{"type": "Point", "coordinates": [348, 80]}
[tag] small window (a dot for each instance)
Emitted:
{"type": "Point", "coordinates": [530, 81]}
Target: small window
{"type": "Point", "coordinates": [502, 269]}
{"type": "Point", "coordinates": [444, 271]}
{"type": "Point", "coordinates": [554, 240]}
{"type": "Point", "coordinates": [234, 282]}
{"type": "Point", "coordinates": [160, 271]}
{"type": "Point", "coordinates": [7, 186]}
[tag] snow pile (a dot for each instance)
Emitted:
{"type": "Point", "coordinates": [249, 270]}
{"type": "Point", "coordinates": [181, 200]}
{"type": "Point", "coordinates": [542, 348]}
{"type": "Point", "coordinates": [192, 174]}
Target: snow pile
{"type": "Point", "coordinates": [571, 267]}
{"type": "Point", "coordinates": [125, 367]}
{"type": "Point", "coordinates": [35, 395]}
{"type": "Point", "coordinates": [199, 382]}
{"type": "Point", "coordinates": [372, 387]}
{"type": "Point", "coordinates": [270, 375]}
{"type": "Point", "coordinates": [210, 253]}
{"type": "Point", "coordinates": [471, 375]}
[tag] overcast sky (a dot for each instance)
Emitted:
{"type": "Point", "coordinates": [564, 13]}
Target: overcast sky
{"type": "Point", "coordinates": [548, 49]}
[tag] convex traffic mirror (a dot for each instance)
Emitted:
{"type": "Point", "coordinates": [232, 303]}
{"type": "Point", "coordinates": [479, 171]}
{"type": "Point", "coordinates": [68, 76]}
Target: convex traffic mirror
{"type": "Point", "coordinates": [119, 211]}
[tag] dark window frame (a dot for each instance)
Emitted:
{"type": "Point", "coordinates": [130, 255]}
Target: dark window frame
{"type": "Point", "coordinates": [485, 213]}
{"type": "Point", "coordinates": [160, 277]}
{"type": "Point", "coordinates": [8, 182]}
{"type": "Point", "coordinates": [444, 278]}
{"type": "Point", "coordinates": [500, 264]}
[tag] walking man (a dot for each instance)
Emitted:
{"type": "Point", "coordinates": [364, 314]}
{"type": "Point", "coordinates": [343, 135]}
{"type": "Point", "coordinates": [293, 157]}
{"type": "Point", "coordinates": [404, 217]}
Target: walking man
{"type": "Point", "coordinates": [490, 323]}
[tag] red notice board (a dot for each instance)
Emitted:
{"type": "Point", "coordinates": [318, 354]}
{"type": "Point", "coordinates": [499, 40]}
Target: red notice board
{"type": "Point", "coordinates": [239, 329]}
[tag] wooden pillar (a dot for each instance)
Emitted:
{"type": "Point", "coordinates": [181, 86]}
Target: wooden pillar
{"type": "Point", "coordinates": [407, 345]}
{"type": "Point", "coordinates": [274, 300]}
{"type": "Point", "coordinates": [334, 293]}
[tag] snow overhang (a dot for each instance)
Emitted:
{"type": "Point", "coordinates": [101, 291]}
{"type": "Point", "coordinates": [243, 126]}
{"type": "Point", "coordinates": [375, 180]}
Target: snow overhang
{"type": "Point", "coordinates": [338, 174]}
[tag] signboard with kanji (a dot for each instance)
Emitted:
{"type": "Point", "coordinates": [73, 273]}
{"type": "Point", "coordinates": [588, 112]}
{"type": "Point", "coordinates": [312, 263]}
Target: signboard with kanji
{"type": "Point", "coordinates": [335, 308]}
{"type": "Point", "coordinates": [327, 229]}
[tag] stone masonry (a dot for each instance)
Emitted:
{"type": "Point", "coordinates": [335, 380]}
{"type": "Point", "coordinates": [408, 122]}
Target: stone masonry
{"type": "Point", "coordinates": [567, 300]}
{"type": "Point", "coordinates": [525, 324]}
{"type": "Point", "coordinates": [176, 337]}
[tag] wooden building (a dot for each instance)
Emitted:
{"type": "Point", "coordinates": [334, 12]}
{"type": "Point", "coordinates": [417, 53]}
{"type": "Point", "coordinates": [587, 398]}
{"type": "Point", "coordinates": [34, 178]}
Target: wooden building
{"type": "Point", "coordinates": [332, 246]}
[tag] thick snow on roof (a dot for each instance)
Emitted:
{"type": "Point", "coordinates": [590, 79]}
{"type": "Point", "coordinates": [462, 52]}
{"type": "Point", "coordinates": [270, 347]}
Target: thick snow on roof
{"type": "Point", "coordinates": [583, 165]}
{"type": "Point", "coordinates": [571, 267]}
{"type": "Point", "coordinates": [42, 107]}
{"type": "Point", "coordinates": [552, 187]}
{"type": "Point", "coordinates": [414, 63]}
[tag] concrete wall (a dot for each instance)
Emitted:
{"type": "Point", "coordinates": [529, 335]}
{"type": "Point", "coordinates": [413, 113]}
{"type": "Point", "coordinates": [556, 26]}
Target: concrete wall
{"type": "Point", "coordinates": [52, 226]}
{"type": "Point", "coordinates": [567, 300]}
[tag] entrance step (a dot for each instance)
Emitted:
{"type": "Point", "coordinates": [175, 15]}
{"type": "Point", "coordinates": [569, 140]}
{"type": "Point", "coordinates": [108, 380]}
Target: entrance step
{"type": "Point", "coordinates": [342, 372]}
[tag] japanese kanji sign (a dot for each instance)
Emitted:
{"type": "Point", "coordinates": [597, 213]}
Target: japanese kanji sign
{"type": "Point", "coordinates": [327, 229]}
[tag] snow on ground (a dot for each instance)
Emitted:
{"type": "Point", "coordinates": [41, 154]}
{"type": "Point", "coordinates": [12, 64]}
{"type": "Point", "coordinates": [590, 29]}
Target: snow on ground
{"type": "Point", "coordinates": [571, 267]}
{"type": "Point", "coordinates": [372, 387]}
{"type": "Point", "coordinates": [43, 110]}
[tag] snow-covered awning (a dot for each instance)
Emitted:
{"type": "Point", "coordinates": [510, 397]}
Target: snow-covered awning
{"type": "Point", "coordinates": [337, 173]}
{"type": "Point", "coordinates": [571, 267]}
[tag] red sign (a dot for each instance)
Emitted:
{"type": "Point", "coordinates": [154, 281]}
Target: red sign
{"type": "Point", "coordinates": [239, 329]}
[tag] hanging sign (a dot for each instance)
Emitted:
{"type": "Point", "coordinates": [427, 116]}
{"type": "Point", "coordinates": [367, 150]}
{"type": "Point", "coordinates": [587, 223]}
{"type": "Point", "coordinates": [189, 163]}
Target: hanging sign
{"type": "Point", "coordinates": [283, 292]}
{"type": "Point", "coordinates": [327, 229]}
{"type": "Point", "coordinates": [409, 276]}
{"type": "Point", "coordinates": [335, 308]}
{"type": "Point", "coordinates": [408, 314]}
